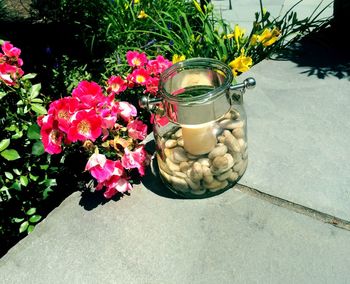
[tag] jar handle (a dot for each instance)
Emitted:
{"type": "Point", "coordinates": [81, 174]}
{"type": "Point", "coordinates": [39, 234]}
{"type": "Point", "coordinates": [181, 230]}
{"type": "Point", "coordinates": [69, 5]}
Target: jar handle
{"type": "Point", "coordinates": [248, 83]}
{"type": "Point", "coordinates": [149, 103]}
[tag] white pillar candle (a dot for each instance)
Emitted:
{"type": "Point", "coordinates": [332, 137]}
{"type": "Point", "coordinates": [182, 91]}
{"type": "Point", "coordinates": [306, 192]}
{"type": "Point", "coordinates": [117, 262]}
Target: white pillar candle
{"type": "Point", "coordinates": [199, 139]}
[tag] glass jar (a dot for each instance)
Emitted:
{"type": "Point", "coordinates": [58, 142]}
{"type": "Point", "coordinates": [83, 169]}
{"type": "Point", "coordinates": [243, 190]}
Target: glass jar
{"type": "Point", "coordinates": [201, 138]}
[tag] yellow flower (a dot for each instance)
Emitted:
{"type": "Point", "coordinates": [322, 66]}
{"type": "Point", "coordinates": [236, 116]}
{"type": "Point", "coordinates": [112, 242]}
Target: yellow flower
{"type": "Point", "coordinates": [239, 33]}
{"type": "Point", "coordinates": [269, 37]}
{"type": "Point", "coordinates": [241, 64]}
{"type": "Point", "coordinates": [228, 36]}
{"type": "Point", "coordinates": [142, 15]}
{"type": "Point", "coordinates": [136, 1]}
{"type": "Point", "coordinates": [254, 40]}
{"type": "Point", "coordinates": [178, 58]}
{"type": "Point", "coordinates": [198, 7]}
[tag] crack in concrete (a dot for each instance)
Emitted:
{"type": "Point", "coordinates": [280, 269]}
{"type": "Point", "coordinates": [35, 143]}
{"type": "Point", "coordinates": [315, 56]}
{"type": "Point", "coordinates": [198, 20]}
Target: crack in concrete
{"type": "Point", "coordinates": [315, 214]}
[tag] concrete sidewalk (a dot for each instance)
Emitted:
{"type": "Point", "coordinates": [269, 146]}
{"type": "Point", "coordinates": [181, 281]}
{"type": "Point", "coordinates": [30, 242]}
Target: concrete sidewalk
{"type": "Point", "coordinates": [148, 238]}
{"type": "Point", "coordinates": [243, 11]}
{"type": "Point", "coordinates": [299, 153]}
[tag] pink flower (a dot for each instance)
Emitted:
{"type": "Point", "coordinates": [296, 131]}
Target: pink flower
{"type": "Point", "coordinates": [140, 76]}
{"type": "Point", "coordinates": [135, 159]}
{"type": "Point", "coordinates": [125, 110]}
{"type": "Point", "coordinates": [50, 134]}
{"type": "Point", "coordinates": [95, 160]}
{"type": "Point", "coordinates": [108, 117]}
{"type": "Point", "coordinates": [116, 184]}
{"type": "Point", "coordinates": [85, 125]}
{"type": "Point", "coordinates": [116, 85]}
{"type": "Point", "coordinates": [152, 85]}
{"type": "Point", "coordinates": [159, 120]}
{"type": "Point", "coordinates": [63, 109]}
{"type": "Point", "coordinates": [109, 174]}
{"type": "Point", "coordinates": [110, 192]}
{"type": "Point", "coordinates": [101, 168]}
{"type": "Point", "coordinates": [158, 65]}
{"type": "Point", "coordinates": [136, 59]}
{"type": "Point", "coordinates": [137, 129]}
{"type": "Point", "coordinates": [89, 94]}
{"type": "Point", "coordinates": [9, 74]}
{"type": "Point", "coordinates": [9, 50]}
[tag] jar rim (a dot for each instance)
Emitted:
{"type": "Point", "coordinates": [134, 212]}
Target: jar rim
{"type": "Point", "coordinates": [192, 64]}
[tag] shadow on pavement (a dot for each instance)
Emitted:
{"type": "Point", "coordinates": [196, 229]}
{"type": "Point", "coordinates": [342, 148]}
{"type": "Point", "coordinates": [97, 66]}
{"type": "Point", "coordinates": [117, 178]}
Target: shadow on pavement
{"type": "Point", "coordinates": [90, 200]}
{"type": "Point", "coordinates": [324, 53]}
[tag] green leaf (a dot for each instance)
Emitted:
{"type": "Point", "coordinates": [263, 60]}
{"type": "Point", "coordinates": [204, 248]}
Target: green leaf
{"type": "Point", "coordinates": [33, 132]}
{"type": "Point", "coordinates": [29, 76]}
{"type": "Point", "coordinates": [23, 226]}
{"type": "Point", "coordinates": [35, 218]}
{"type": "Point", "coordinates": [39, 109]}
{"type": "Point", "coordinates": [19, 103]}
{"type": "Point", "coordinates": [17, 135]}
{"type": "Point", "coordinates": [47, 192]}
{"type": "Point", "coordinates": [36, 100]}
{"type": "Point", "coordinates": [34, 90]}
{"type": "Point", "coordinates": [17, 172]}
{"type": "Point", "coordinates": [11, 128]}
{"type": "Point", "coordinates": [30, 228]}
{"type": "Point", "coordinates": [31, 211]}
{"type": "Point", "coordinates": [16, 185]}
{"type": "Point", "coordinates": [25, 109]}
{"type": "Point", "coordinates": [4, 144]}
{"type": "Point", "coordinates": [50, 182]}
{"type": "Point", "coordinates": [23, 180]}
{"type": "Point", "coordinates": [33, 177]}
{"type": "Point", "coordinates": [10, 154]}
{"type": "Point", "coordinates": [9, 175]}
{"type": "Point", "coordinates": [2, 94]}
{"type": "Point", "coordinates": [18, 220]}
{"type": "Point", "coordinates": [44, 167]}
{"type": "Point", "coordinates": [38, 148]}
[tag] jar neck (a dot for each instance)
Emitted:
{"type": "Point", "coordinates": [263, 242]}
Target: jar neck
{"type": "Point", "coordinates": [196, 91]}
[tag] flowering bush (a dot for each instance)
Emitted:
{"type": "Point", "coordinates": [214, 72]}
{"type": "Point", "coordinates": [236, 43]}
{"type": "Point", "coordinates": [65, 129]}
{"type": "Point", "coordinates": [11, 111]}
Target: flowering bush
{"type": "Point", "coordinates": [26, 174]}
{"type": "Point", "coordinates": [10, 64]}
{"type": "Point", "coordinates": [107, 128]}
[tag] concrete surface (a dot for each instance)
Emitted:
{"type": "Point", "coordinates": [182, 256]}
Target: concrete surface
{"type": "Point", "coordinates": [148, 238]}
{"type": "Point", "coordinates": [243, 11]}
{"type": "Point", "coordinates": [298, 131]}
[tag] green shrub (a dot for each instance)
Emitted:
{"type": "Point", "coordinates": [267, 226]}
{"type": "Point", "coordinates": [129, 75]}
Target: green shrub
{"type": "Point", "coordinates": [25, 178]}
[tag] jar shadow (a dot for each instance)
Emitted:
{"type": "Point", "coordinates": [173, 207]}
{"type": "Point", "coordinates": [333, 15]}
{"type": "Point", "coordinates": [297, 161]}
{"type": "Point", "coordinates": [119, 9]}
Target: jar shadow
{"type": "Point", "coordinates": [151, 180]}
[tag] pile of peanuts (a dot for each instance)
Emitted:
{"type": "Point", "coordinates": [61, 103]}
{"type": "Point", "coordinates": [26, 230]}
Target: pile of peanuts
{"type": "Point", "coordinates": [208, 174]}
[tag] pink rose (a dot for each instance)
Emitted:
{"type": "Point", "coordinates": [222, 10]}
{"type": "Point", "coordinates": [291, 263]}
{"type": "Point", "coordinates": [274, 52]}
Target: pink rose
{"type": "Point", "coordinates": [86, 125]}
{"type": "Point", "coordinates": [136, 59]}
{"type": "Point", "coordinates": [125, 110]}
{"type": "Point", "coordinates": [137, 129]}
{"type": "Point", "coordinates": [89, 94]}
{"type": "Point", "coordinates": [136, 159]}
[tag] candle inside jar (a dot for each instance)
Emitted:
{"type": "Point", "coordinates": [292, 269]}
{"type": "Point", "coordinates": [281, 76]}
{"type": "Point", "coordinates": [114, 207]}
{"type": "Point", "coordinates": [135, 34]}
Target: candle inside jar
{"type": "Point", "coordinates": [199, 139]}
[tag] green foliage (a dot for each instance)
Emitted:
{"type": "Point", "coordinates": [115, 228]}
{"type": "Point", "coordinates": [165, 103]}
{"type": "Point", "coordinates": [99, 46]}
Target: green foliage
{"type": "Point", "coordinates": [186, 28]}
{"type": "Point", "coordinates": [66, 76]}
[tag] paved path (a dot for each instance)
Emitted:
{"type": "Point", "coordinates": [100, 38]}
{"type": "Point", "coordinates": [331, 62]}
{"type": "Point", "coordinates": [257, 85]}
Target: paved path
{"type": "Point", "coordinates": [243, 11]}
{"type": "Point", "coordinates": [273, 228]}
{"type": "Point", "coordinates": [299, 129]}
{"type": "Point", "coordinates": [148, 238]}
